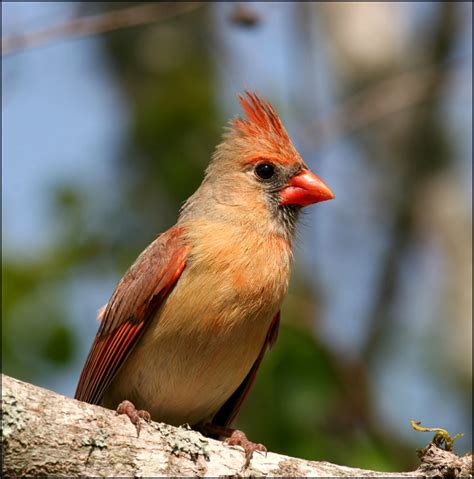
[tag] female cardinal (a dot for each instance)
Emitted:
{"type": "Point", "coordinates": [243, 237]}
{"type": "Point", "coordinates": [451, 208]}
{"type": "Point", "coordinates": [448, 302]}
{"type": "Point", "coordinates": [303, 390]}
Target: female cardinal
{"type": "Point", "coordinates": [185, 330]}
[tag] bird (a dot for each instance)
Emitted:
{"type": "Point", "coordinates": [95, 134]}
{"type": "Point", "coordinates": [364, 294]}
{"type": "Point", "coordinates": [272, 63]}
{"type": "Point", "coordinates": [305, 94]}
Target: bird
{"type": "Point", "coordinates": [183, 335]}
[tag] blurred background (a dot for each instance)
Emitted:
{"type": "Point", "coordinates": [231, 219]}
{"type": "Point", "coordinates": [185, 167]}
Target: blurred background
{"type": "Point", "coordinates": [110, 114]}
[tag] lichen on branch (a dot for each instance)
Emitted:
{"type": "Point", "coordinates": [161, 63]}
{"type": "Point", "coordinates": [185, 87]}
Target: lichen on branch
{"type": "Point", "coordinates": [46, 434]}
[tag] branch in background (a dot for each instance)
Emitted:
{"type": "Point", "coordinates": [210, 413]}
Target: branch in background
{"type": "Point", "coordinates": [96, 24]}
{"type": "Point", "coordinates": [244, 16]}
{"type": "Point", "coordinates": [376, 102]}
{"type": "Point", "coordinates": [45, 434]}
{"type": "Point", "coordinates": [413, 174]}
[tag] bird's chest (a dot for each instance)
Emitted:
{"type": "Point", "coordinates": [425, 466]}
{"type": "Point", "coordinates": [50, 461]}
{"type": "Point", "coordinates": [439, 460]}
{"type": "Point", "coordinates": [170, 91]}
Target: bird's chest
{"type": "Point", "coordinates": [210, 330]}
{"type": "Point", "coordinates": [246, 272]}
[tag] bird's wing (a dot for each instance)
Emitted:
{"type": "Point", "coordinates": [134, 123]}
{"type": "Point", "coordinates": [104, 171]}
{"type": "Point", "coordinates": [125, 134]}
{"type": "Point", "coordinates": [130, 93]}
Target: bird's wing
{"type": "Point", "coordinates": [231, 407]}
{"type": "Point", "coordinates": [132, 305]}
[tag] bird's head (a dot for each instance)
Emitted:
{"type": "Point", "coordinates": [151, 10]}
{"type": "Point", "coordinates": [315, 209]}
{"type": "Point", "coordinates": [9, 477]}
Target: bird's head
{"type": "Point", "coordinates": [257, 169]}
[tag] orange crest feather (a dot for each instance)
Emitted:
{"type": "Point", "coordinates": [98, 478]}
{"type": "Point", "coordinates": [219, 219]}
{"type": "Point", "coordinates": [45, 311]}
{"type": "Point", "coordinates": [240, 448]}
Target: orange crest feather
{"type": "Point", "coordinates": [260, 116]}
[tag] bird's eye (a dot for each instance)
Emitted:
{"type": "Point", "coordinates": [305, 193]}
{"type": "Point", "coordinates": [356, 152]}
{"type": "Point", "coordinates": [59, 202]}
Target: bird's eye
{"type": "Point", "coordinates": [264, 171]}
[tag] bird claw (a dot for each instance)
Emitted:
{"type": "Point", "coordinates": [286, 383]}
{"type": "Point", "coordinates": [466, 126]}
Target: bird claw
{"type": "Point", "coordinates": [238, 438]}
{"type": "Point", "coordinates": [135, 416]}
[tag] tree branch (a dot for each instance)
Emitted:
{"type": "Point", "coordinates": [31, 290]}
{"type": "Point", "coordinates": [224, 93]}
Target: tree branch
{"type": "Point", "coordinates": [45, 434]}
{"type": "Point", "coordinates": [96, 24]}
{"type": "Point", "coordinates": [376, 102]}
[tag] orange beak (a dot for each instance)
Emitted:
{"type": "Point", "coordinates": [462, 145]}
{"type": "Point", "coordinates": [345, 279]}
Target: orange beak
{"type": "Point", "coordinates": [304, 189]}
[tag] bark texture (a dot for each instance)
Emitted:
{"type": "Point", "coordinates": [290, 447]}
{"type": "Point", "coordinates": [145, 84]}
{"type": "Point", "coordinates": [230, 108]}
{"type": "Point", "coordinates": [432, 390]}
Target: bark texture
{"type": "Point", "coordinates": [46, 434]}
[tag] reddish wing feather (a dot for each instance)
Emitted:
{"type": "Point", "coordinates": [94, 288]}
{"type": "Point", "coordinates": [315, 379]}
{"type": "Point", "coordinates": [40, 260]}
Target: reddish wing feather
{"type": "Point", "coordinates": [135, 300]}
{"type": "Point", "coordinates": [228, 412]}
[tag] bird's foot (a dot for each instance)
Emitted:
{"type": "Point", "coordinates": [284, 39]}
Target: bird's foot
{"type": "Point", "coordinates": [135, 416]}
{"type": "Point", "coordinates": [235, 437]}
{"type": "Point", "coordinates": [238, 438]}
